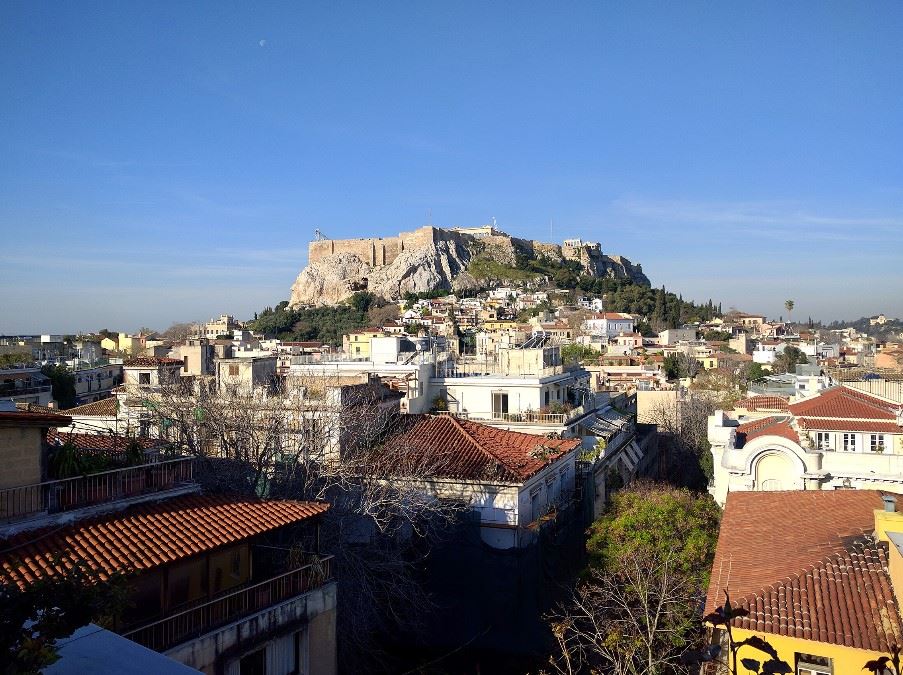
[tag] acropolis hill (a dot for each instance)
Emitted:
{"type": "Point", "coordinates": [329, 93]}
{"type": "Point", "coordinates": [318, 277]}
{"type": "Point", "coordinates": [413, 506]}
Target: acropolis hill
{"type": "Point", "coordinates": [431, 258]}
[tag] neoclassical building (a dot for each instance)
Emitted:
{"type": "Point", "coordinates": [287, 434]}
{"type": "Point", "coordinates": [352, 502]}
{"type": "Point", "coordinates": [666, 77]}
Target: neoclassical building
{"type": "Point", "coordinates": [840, 438]}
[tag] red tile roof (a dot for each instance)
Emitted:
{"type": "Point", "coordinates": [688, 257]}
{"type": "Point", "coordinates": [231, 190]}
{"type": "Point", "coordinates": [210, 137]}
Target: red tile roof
{"type": "Point", "coordinates": [105, 407]}
{"type": "Point", "coordinates": [108, 442]}
{"type": "Point", "coordinates": [804, 564]}
{"type": "Point", "coordinates": [843, 402]}
{"type": "Point", "coordinates": [763, 403]}
{"type": "Point", "coordinates": [33, 419]}
{"type": "Point", "coordinates": [850, 425]}
{"type": "Point", "coordinates": [147, 535]}
{"type": "Point", "coordinates": [471, 451]}
{"type": "Point", "coordinates": [767, 426]}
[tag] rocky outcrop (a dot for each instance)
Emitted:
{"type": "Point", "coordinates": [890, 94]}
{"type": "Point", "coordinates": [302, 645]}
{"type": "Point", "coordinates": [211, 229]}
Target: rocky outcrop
{"type": "Point", "coordinates": [439, 261]}
{"type": "Point", "coordinates": [338, 276]}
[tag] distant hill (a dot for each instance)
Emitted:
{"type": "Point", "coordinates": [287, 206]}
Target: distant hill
{"type": "Point", "coordinates": [432, 258]}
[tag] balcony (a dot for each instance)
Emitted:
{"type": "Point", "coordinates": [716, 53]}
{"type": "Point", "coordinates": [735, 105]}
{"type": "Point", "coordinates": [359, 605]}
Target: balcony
{"type": "Point", "coordinates": [13, 392]}
{"type": "Point", "coordinates": [70, 494]}
{"type": "Point", "coordinates": [232, 606]}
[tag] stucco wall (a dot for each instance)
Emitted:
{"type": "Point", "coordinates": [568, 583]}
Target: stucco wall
{"type": "Point", "coordinates": [206, 653]}
{"type": "Point", "coordinates": [20, 456]}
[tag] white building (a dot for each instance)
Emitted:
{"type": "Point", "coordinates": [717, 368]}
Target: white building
{"type": "Point", "coordinates": [840, 438]}
{"type": "Point", "coordinates": [512, 480]}
{"type": "Point", "coordinates": [609, 324]}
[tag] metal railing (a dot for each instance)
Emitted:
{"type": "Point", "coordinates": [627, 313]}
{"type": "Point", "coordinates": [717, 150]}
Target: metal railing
{"type": "Point", "coordinates": [12, 392]}
{"type": "Point", "coordinates": [68, 494]}
{"type": "Point", "coordinates": [190, 623]}
{"type": "Point", "coordinates": [526, 418]}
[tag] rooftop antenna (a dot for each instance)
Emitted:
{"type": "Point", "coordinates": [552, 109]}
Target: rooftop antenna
{"type": "Point", "coordinates": [319, 236]}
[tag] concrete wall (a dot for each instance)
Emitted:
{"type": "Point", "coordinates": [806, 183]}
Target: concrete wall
{"type": "Point", "coordinates": [220, 650]}
{"type": "Point", "coordinates": [20, 456]}
{"type": "Point", "coordinates": [21, 459]}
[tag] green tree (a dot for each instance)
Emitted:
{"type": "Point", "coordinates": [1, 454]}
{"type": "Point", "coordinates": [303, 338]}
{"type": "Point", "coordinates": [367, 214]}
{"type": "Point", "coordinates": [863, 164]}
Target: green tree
{"type": "Point", "coordinates": [788, 305]}
{"type": "Point", "coordinates": [653, 520]}
{"type": "Point", "coordinates": [14, 359]}
{"type": "Point", "coordinates": [49, 609]}
{"type": "Point", "coordinates": [62, 383]}
{"type": "Point", "coordinates": [635, 610]}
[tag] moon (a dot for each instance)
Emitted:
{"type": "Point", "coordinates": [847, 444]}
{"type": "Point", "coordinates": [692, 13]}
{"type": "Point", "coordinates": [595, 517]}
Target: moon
{"type": "Point", "coordinates": [262, 43]}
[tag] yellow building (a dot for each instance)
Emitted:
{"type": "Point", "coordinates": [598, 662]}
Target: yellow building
{"type": "Point", "coordinates": [499, 324]}
{"type": "Point", "coordinates": [818, 572]}
{"type": "Point", "coordinates": [110, 344]}
{"type": "Point", "coordinates": [357, 343]}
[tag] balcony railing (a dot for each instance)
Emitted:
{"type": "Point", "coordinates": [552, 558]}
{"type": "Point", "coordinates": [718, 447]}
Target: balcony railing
{"type": "Point", "coordinates": [13, 392]}
{"type": "Point", "coordinates": [68, 494]}
{"type": "Point", "coordinates": [525, 418]}
{"type": "Point", "coordinates": [191, 623]}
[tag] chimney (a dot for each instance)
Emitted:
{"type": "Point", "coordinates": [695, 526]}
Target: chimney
{"type": "Point", "coordinates": [890, 503]}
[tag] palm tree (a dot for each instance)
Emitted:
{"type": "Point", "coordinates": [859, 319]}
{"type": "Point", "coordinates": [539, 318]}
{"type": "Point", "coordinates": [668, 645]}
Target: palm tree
{"type": "Point", "coordinates": [788, 305]}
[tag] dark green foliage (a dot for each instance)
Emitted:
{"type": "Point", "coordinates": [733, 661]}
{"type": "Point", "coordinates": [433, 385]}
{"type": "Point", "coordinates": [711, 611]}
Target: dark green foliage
{"type": "Point", "coordinates": [15, 359]}
{"type": "Point", "coordinates": [324, 324]}
{"type": "Point", "coordinates": [63, 384]}
{"type": "Point", "coordinates": [786, 361]}
{"type": "Point", "coordinates": [655, 521]}
{"type": "Point", "coordinates": [577, 353]}
{"type": "Point", "coordinates": [410, 298]}
{"type": "Point", "coordinates": [717, 335]}
{"type": "Point", "coordinates": [52, 609]}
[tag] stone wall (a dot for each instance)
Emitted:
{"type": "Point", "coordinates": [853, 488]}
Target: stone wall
{"type": "Point", "coordinates": [377, 251]}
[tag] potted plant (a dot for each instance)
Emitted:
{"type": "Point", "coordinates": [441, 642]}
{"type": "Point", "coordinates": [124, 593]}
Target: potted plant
{"type": "Point", "coordinates": [133, 481]}
{"type": "Point", "coordinates": [64, 463]}
{"type": "Point", "coordinates": [879, 447]}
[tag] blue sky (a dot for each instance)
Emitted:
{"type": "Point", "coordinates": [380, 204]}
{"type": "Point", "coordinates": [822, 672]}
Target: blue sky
{"type": "Point", "coordinates": [169, 161]}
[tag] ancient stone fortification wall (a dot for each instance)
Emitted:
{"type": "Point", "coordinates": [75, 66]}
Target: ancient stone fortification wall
{"type": "Point", "coordinates": [378, 251]}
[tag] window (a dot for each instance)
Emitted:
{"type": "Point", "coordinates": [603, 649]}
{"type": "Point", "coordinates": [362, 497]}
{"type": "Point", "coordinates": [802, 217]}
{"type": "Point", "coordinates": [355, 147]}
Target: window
{"type": "Point", "coordinates": [254, 663]}
{"type": "Point", "coordinates": [809, 664]}
{"type": "Point", "coordinates": [499, 404]}
{"type": "Point", "coordinates": [876, 443]}
{"type": "Point", "coordinates": [849, 442]}
{"type": "Point", "coordinates": [823, 440]}
{"type": "Point", "coordinates": [143, 378]}
{"type": "Point", "coordinates": [233, 371]}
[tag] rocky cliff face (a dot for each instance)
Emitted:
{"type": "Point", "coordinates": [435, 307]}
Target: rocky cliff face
{"type": "Point", "coordinates": [441, 264]}
{"type": "Point", "coordinates": [438, 265]}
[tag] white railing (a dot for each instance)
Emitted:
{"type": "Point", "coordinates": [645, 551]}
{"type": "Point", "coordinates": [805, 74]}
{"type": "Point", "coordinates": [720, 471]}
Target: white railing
{"type": "Point", "coordinates": [525, 418]}
{"type": "Point", "coordinates": [68, 494]}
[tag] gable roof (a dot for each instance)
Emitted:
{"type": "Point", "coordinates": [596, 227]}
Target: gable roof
{"type": "Point", "coordinates": [767, 426]}
{"type": "Point", "coordinates": [105, 407]}
{"type": "Point", "coordinates": [844, 402]}
{"type": "Point", "coordinates": [804, 564]}
{"type": "Point", "coordinates": [146, 535]}
{"type": "Point", "coordinates": [467, 450]}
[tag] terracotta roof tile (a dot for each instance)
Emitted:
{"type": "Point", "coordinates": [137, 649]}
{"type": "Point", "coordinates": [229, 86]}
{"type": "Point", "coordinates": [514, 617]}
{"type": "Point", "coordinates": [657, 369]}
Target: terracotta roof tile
{"type": "Point", "coordinates": [823, 578]}
{"type": "Point", "coordinates": [767, 426]}
{"type": "Point", "coordinates": [40, 419]}
{"type": "Point", "coordinates": [105, 407]}
{"type": "Point", "coordinates": [844, 402]}
{"type": "Point", "coordinates": [147, 535]}
{"type": "Point", "coordinates": [109, 442]}
{"type": "Point", "coordinates": [468, 450]}
{"type": "Point", "coordinates": [850, 425]}
{"type": "Point", "coordinates": [763, 404]}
